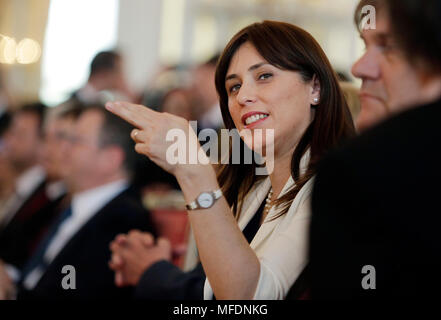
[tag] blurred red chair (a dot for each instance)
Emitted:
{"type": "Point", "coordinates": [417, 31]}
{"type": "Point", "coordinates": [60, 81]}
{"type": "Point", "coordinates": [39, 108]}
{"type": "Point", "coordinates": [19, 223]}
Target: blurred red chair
{"type": "Point", "coordinates": [170, 217]}
{"type": "Point", "coordinates": [173, 225]}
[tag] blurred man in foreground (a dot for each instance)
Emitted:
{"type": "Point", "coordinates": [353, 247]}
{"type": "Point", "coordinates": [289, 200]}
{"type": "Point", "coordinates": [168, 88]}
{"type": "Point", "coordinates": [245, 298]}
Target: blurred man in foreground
{"type": "Point", "coordinates": [374, 231]}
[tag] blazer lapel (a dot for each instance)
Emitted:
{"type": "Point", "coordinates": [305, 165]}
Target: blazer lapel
{"type": "Point", "coordinates": [253, 201]}
{"type": "Point", "coordinates": [270, 224]}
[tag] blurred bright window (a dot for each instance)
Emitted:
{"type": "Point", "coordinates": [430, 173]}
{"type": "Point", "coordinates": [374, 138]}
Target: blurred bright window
{"type": "Point", "coordinates": [76, 31]}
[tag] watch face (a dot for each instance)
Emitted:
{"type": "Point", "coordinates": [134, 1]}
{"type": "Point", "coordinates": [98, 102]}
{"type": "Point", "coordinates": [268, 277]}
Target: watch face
{"type": "Point", "coordinates": [205, 200]}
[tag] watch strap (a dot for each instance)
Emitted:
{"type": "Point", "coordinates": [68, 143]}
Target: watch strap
{"type": "Point", "coordinates": [217, 194]}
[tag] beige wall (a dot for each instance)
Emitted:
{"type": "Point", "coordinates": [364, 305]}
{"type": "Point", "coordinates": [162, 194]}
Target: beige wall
{"type": "Point", "coordinates": [138, 38]}
{"type": "Point", "coordinates": [23, 19]}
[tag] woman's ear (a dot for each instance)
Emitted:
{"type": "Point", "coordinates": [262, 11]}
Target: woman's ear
{"type": "Point", "coordinates": [315, 91]}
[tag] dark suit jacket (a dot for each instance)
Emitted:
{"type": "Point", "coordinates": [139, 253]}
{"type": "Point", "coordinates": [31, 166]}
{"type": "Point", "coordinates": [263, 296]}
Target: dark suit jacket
{"type": "Point", "coordinates": [21, 234]}
{"type": "Point", "coordinates": [88, 251]}
{"type": "Point", "coordinates": [5, 119]}
{"type": "Point", "coordinates": [376, 203]}
{"type": "Point", "coordinates": [165, 281]}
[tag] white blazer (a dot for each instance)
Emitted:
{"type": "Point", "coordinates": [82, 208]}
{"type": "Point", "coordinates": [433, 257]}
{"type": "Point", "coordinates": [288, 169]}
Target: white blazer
{"type": "Point", "coordinates": [281, 245]}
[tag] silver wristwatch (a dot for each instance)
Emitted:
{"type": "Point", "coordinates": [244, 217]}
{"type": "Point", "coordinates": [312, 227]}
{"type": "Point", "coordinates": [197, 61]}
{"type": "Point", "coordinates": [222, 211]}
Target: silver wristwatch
{"type": "Point", "coordinates": [205, 200]}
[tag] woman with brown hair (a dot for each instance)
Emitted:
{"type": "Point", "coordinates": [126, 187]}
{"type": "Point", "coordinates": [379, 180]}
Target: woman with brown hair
{"type": "Point", "coordinates": [271, 76]}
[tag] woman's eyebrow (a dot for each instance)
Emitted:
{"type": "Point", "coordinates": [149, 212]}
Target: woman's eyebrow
{"type": "Point", "coordinates": [253, 67]}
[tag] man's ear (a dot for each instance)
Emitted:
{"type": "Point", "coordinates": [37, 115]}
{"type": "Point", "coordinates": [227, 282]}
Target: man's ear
{"type": "Point", "coordinates": [315, 91]}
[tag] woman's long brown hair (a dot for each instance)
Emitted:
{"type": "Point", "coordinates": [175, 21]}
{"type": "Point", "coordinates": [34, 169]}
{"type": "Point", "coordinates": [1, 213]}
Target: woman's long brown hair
{"type": "Point", "coordinates": [289, 48]}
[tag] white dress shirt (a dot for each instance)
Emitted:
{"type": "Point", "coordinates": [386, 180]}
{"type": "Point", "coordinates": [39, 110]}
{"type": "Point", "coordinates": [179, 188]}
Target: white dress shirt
{"type": "Point", "coordinates": [54, 190]}
{"type": "Point", "coordinates": [84, 206]}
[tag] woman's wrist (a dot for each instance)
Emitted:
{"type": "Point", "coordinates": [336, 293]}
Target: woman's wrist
{"type": "Point", "coordinates": [195, 179]}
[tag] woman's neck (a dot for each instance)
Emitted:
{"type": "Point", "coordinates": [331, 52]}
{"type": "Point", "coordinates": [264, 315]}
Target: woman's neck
{"type": "Point", "coordinates": [281, 173]}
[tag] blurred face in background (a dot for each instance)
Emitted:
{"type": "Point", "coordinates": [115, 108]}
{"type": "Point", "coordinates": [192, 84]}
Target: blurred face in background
{"type": "Point", "coordinates": [116, 76]}
{"type": "Point", "coordinates": [23, 141]}
{"type": "Point", "coordinates": [86, 156]}
{"type": "Point", "coordinates": [56, 149]}
{"type": "Point", "coordinates": [203, 87]}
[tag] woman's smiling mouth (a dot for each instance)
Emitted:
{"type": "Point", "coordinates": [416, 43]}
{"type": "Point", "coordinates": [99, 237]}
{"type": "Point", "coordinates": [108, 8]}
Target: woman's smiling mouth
{"type": "Point", "coordinates": [253, 118]}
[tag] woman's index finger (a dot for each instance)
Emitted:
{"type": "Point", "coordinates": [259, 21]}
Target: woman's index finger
{"type": "Point", "coordinates": [132, 113]}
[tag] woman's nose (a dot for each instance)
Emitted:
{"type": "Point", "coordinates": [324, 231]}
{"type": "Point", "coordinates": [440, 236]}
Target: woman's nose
{"type": "Point", "coordinates": [247, 94]}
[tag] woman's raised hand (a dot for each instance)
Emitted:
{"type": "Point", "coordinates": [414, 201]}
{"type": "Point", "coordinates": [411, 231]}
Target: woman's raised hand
{"type": "Point", "coordinates": [151, 132]}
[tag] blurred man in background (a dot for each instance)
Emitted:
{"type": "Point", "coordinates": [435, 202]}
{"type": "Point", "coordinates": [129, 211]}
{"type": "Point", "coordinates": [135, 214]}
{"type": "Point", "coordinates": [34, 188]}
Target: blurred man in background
{"type": "Point", "coordinates": [205, 95]}
{"type": "Point", "coordinates": [107, 81]}
{"type": "Point", "coordinates": [102, 205]}
{"type": "Point", "coordinates": [22, 147]}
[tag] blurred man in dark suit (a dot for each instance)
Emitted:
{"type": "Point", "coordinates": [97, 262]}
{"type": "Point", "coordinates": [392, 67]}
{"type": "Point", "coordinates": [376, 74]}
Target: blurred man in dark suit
{"type": "Point", "coordinates": [70, 262]}
{"type": "Point", "coordinates": [376, 216]}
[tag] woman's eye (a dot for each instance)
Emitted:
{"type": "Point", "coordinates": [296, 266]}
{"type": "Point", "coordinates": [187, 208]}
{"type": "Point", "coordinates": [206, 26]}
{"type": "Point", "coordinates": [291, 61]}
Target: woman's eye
{"type": "Point", "coordinates": [234, 88]}
{"type": "Point", "coordinates": [265, 76]}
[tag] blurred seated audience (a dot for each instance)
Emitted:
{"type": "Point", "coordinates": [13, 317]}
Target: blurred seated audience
{"type": "Point", "coordinates": [351, 93]}
{"type": "Point", "coordinates": [164, 81]}
{"type": "Point", "coordinates": [103, 205]}
{"type": "Point", "coordinates": [7, 174]}
{"type": "Point", "coordinates": [7, 102]}
{"type": "Point", "coordinates": [22, 234]}
{"type": "Point", "coordinates": [107, 81]}
{"type": "Point", "coordinates": [343, 76]}
{"type": "Point", "coordinates": [7, 287]}
{"type": "Point", "coordinates": [178, 102]}
{"type": "Point", "coordinates": [206, 98]}
{"type": "Point", "coordinates": [22, 150]}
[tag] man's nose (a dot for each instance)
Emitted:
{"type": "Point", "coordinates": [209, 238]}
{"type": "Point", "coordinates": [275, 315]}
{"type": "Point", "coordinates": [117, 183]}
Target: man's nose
{"type": "Point", "coordinates": [367, 67]}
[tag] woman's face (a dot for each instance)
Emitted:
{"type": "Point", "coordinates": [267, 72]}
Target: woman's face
{"type": "Point", "coordinates": [262, 96]}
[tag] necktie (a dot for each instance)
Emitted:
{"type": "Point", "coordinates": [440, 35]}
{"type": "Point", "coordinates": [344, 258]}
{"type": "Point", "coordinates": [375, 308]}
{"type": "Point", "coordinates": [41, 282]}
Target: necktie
{"type": "Point", "coordinates": [37, 259]}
